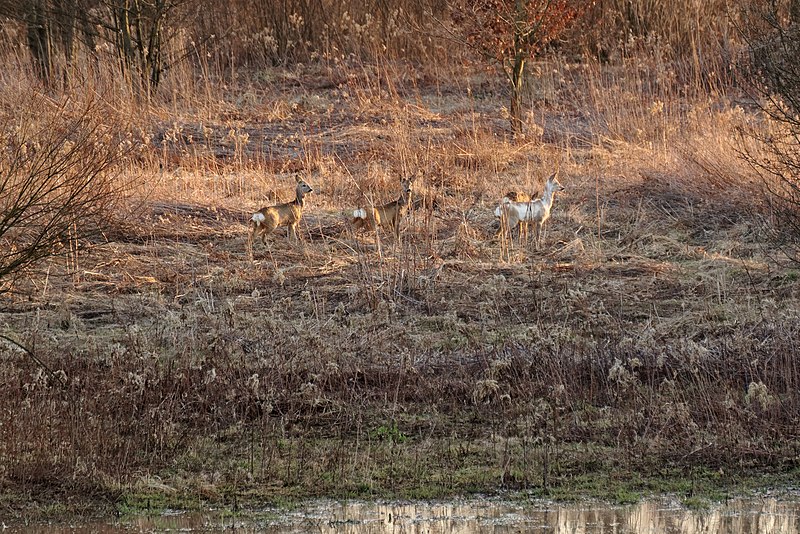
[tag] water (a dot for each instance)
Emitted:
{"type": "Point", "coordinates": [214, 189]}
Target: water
{"type": "Point", "coordinates": [767, 516]}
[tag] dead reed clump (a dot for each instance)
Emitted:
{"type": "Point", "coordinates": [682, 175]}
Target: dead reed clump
{"type": "Point", "coordinates": [480, 149]}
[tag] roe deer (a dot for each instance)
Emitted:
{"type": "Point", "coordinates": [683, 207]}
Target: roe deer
{"type": "Point", "coordinates": [516, 196]}
{"type": "Point", "coordinates": [537, 211]}
{"type": "Point", "coordinates": [388, 215]}
{"type": "Point", "coordinates": [265, 220]}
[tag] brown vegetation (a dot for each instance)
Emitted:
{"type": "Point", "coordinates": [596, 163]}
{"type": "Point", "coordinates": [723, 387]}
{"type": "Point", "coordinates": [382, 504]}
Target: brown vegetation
{"type": "Point", "coordinates": [654, 330]}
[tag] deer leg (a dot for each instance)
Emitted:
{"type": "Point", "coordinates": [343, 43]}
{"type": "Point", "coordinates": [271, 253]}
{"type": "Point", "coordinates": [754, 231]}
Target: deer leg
{"type": "Point", "coordinates": [264, 230]}
{"type": "Point", "coordinates": [259, 231]}
{"type": "Point", "coordinates": [253, 228]}
{"type": "Point", "coordinates": [538, 235]}
{"type": "Point", "coordinates": [507, 225]}
{"type": "Point", "coordinates": [513, 223]}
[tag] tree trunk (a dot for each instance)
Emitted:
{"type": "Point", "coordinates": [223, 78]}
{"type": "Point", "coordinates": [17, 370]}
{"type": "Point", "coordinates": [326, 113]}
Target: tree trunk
{"type": "Point", "coordinates": [517, 79]}
{"type": "Point", "coordinates": [153, 59]}
{"type": "Point", "coordinates": [38, 29]}
{"type": "Point", "coordinates": [65, 15]}
{"type": "Point", "coordinates": [518, 68]}
{"type": "Point", "coordinates": [122, 21]}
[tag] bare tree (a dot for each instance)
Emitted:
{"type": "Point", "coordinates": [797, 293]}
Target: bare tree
{"type": "Point", "coordinates": [140, 29]}
{"type": "Point", "coordinates": [57, 177]}
{"type": "Point", "coordinates": [509, 32]}
{"type": "Point", "coordinates": [142, 33]}
{"type": "Point", "coordinates": [773, 33]}
{"type": "Point", "coordinates": [51, 27]}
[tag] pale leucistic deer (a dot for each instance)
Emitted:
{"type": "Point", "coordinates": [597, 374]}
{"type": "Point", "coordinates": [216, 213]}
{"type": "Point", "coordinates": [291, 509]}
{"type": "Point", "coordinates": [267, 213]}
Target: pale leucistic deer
{"type": "Point", "coordinates": [512, 213]}
{"type": "Point", "coordinates": [387, 216]}
{"type": "Point", "coordinates": [517, 196]}
{"type": "Point", "coordinates": [266, 220]}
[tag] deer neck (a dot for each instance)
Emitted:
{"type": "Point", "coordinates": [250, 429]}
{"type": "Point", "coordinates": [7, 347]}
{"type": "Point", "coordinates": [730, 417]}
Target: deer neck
{"type": "Point", "coordinates": [403, 200]}
{"type": "Point", "coordinates": [547, 198]}
{"type": "Point", "coordinates": [300, 200]}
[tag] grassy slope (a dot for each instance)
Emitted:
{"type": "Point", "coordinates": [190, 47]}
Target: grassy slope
{"type": "Point", "coordinates": [646, 347]}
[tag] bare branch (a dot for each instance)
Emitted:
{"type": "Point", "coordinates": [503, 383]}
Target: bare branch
{"type": "Point", "coordinates": [58, 177]}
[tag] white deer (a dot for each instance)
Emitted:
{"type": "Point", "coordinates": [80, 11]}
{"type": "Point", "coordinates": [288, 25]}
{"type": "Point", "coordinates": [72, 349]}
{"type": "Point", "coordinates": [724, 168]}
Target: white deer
{"type": "Point", "coordinates": [537, 211]}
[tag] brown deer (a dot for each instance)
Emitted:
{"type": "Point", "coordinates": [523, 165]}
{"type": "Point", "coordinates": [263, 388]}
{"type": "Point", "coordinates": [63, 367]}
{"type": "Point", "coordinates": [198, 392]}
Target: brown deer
{"type": "Point", "coordinates": [517, 196]}
{"type": "Point", "coordinates": [389, 215]}
{"type": "Point", "coordinates": [265, 220]}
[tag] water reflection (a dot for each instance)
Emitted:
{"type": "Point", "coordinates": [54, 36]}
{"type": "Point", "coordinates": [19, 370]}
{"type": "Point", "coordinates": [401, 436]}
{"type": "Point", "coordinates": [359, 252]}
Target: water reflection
{"type": "Point", "coordinates": [769, 516]}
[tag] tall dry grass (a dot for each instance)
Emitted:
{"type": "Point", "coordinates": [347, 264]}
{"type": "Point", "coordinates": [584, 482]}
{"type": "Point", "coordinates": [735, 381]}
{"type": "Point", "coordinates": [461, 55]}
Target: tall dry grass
{"type": "Point", "coordinates": [699, 32]}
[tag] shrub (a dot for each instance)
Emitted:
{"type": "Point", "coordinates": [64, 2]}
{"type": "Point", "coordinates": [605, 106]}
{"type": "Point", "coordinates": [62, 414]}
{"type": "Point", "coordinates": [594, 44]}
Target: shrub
{"type": "Point", "coordinates": [57, 179]}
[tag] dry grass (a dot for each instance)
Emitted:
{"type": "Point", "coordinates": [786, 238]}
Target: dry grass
{"type": "Point", "coordinates": [653, 320]}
